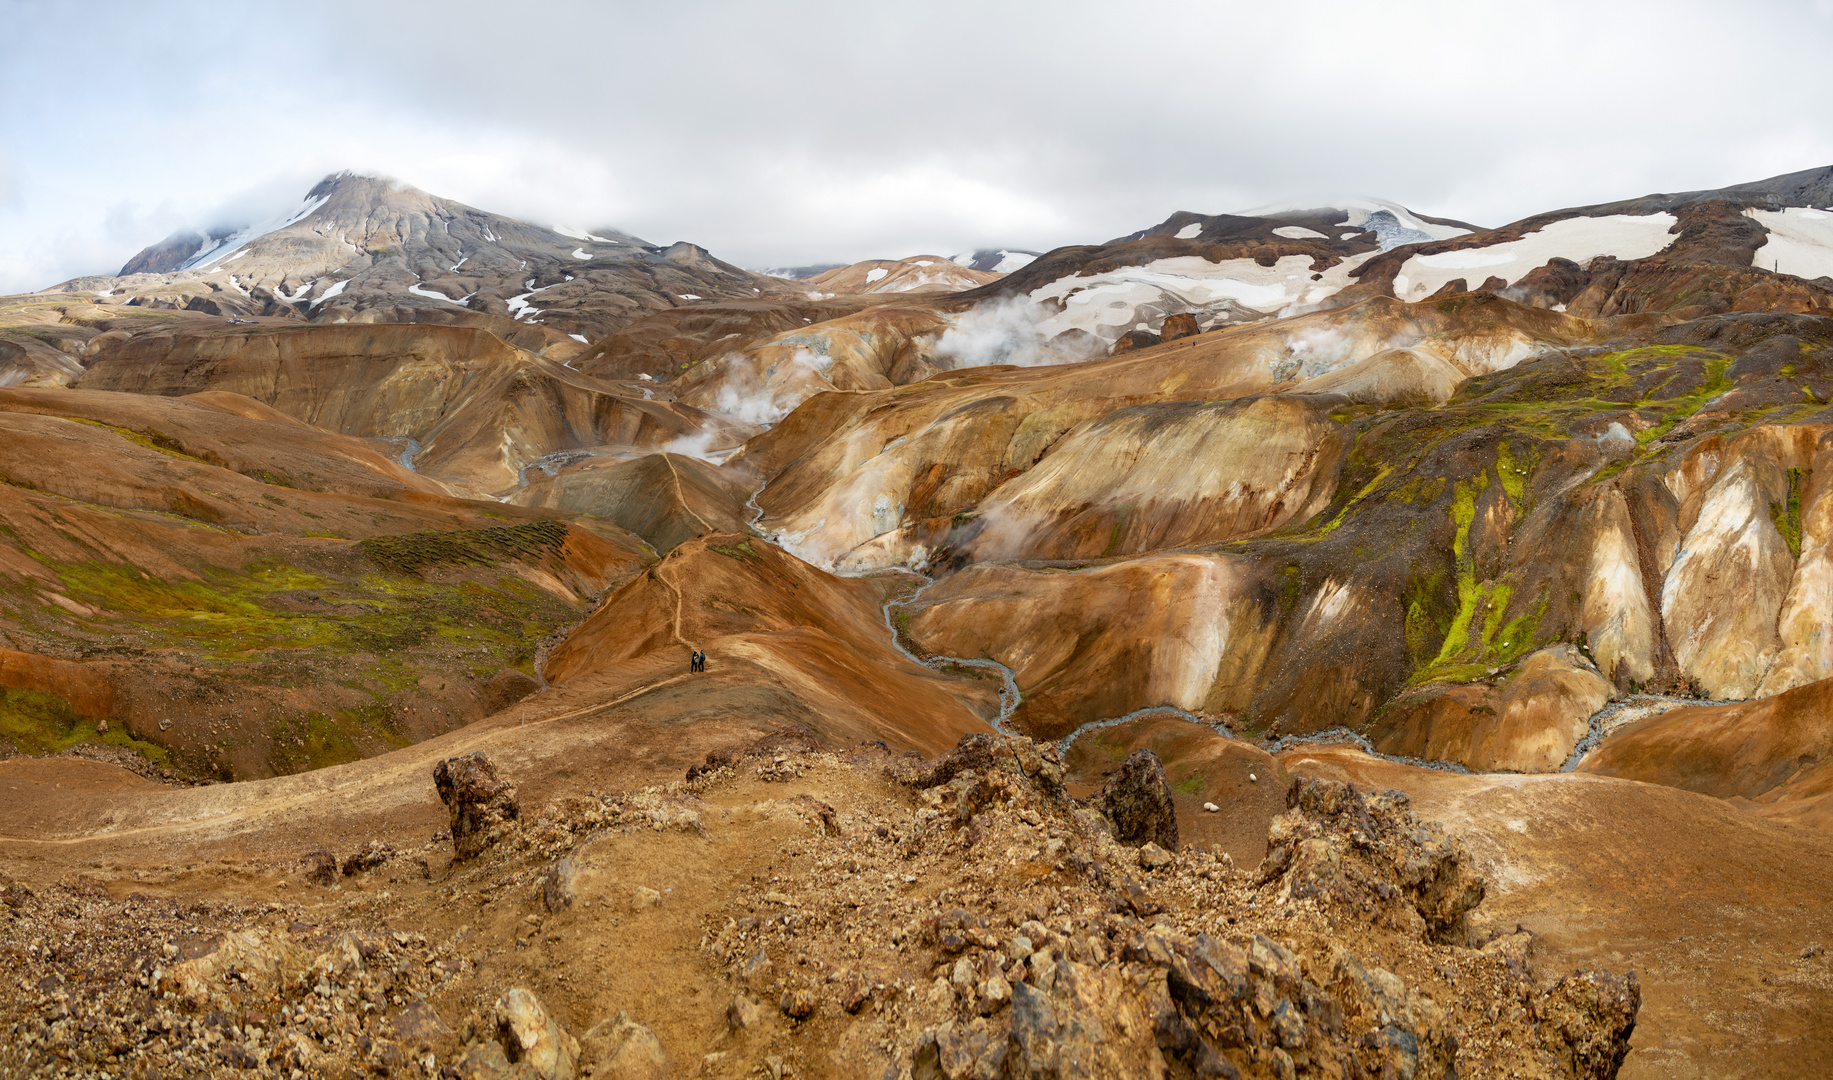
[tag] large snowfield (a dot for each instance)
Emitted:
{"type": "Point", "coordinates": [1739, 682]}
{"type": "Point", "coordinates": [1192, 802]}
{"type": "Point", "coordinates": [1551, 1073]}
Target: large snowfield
{"type": "Point", "coordinates": [1106, 304]}
{"type": "Point", "coordinates": [1580, 239]}
{"type": "Point", "coordinates": [1800, 241]}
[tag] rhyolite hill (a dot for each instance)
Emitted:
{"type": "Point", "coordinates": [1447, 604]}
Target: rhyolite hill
{"type": "Point", "coordinates": [1530, 522]}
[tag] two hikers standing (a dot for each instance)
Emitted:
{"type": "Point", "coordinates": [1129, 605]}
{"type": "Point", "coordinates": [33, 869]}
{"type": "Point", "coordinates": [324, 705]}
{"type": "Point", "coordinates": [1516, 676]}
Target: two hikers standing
{"type": "Point", "coordinates": [697, 661]}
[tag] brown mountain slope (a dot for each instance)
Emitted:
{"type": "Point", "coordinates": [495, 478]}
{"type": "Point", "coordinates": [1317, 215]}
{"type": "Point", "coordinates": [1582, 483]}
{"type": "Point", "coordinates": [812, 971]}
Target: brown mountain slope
{"type": "Point", "coordinates": [479, 409]}
{"type": "Point", "coordinates": [235, 581]}
{"type": "Point", "coordinates": [918, 273]}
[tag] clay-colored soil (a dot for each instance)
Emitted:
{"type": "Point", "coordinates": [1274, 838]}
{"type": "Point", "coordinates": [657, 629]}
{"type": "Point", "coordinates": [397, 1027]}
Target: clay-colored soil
{"type": "Point", "coordinates": [1712, 906]}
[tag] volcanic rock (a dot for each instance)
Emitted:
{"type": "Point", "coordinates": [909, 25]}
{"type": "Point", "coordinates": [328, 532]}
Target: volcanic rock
{"type": "Point", "coordinates": [482, 804]}
{"type": "Point", "coordinates": [1138, 802]}
{"type": "Point", "coordinates": [622, 1049]}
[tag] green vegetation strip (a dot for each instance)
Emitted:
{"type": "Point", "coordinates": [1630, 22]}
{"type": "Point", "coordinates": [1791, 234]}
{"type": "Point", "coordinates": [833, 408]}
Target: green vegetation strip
{"type": "Point", "coordinates": [415, 552]}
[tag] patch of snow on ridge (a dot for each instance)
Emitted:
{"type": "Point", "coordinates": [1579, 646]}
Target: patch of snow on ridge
{"type": "Point", "coordinates": [688, 296]}
{"type": "Point", "coordinates": [1800, 241]}
{"type": "Point", "coordinates": [1299, 232]}
{"type": "Point", "coordinates": [252, 232]}
{"type": "Point", "coordinates": [581, 253]}
{"type": "Point", "coordinates": [1357, 212]}
{"type": "Point", "coordinates": [1010, 261]}
{"type": "Point", "coordinates": [429, 293]}
{"type": "Point", "coordinates": [1190, 231]}
{"type": "Point", "coordinates": [329, 293]}
{"type": "Point", "coordinates": [1580, 239]}
{"type": "Point", "coordinates": [1109, 303]}
{"type": "Point", "coordinates": [581, 338]}
{"type": "Point", "coordinates": [875, 273]}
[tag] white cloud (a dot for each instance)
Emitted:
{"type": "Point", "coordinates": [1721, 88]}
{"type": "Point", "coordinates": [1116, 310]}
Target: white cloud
{"type": "Point", "coordinates": [784, 134]}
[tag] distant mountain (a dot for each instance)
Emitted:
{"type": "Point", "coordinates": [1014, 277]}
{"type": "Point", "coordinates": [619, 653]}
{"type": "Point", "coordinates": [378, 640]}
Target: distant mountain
{"type": "Point", "coordinates": [995, 260]}
{"type": "Point", "coordinates": [364, 248]}
{"type": "Point", "coordinates": [919, 273]}
{"type": "Point", "coordinates": [1698, 249]}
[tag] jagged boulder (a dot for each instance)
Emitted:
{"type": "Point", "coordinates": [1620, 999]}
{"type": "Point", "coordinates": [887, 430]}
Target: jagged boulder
{"type": "Point", "coordinates": [483, 804]}
{"type": "Point", "coordinates": [980, 765]}
{"type": "Point", "coordinates": [1137, 800]}
{"type": "Point", "coordinates": [1586, 1020]}
{"type": "Point", "coordinates": [1372, 855]}
{"type": "Point", "coordinates": [531, 1037]}
{"type": "Point", "coordinates": [622, 1049]}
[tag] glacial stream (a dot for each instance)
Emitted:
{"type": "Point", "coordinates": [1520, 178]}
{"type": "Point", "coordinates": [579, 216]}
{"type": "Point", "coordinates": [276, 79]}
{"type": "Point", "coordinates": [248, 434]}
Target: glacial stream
{"type": "Point", "coordinates": [1602, 723]}
{"type": "Point", "coordinates": [1008, 682]}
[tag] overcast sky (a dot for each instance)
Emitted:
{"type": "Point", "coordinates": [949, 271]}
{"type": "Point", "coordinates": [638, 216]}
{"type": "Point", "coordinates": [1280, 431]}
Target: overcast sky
{"type": "Point", "coordinates": [786, 133]}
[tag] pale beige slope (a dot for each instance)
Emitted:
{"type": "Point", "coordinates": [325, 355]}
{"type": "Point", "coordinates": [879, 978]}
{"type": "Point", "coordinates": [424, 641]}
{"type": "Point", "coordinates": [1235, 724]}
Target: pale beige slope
{"type": "Point", "coordinates": [912, 457]}
{"type": "Point", "coordinates": [1160, 476]}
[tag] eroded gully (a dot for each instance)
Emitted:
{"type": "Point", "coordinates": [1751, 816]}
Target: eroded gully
{"type": "Point", "coordinates": [1601, 724]}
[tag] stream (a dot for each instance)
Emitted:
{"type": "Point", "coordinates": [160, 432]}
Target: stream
{"type": "Point", "coordinates": [1610, 718]}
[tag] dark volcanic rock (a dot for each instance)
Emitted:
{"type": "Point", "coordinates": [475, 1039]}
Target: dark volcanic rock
{"type": "Point", "coordinates": [1181, 325]}
{"type": "Point", "coordinates": [1135, 339]}
{"type": "Point", "coordinates": [1137, 800]}
{"type": "Point", "coordinates": [482, 803]}
{"type": "Point", "coordinates": [1586, 1020]}
{"type": "Point", "coordinates": [1371, 854]}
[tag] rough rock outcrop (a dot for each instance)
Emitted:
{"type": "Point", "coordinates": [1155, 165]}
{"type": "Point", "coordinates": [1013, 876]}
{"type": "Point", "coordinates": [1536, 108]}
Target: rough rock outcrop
{"type": "Point", "coordinates": [1373, 856]}
{"type": "Point", "coordinates": [622, 1049]}
{"type": "Point", "coordinates": [483, 804]}
{"type": "Point", "coordinates": [1138, 801]}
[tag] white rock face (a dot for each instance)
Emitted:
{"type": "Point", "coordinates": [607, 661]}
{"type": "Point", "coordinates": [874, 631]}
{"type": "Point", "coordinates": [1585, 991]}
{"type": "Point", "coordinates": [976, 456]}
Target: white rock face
{"type": "Point", "coordinates": [1724, 634]}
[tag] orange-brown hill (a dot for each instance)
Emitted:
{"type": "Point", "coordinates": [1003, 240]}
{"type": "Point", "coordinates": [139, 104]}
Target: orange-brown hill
{"type": "Point", "coordinates": [257, 595]}
{"type": "Point", "coordinates": [774, 627]}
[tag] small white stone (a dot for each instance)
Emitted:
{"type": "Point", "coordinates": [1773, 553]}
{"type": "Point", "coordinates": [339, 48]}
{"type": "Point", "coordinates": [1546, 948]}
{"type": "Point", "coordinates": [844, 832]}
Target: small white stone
{"type": "Point", "coordinates": [1252, 779]}
{"type": "Point", "coordinates": [1212, 807]}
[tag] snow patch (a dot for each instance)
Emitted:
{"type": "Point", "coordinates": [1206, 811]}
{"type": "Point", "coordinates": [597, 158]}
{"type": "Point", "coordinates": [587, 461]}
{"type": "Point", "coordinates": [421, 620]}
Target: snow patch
{"type": "Point", "coordinates": [875, 273]}
{"type": "Point", "coordinates": [581, 253]}
{"type": "Point", "coordinates": [581, 338]}
{"type": "Point", "coordinates": [429, 293]}
{"type": "Point", "coordinates": [1299, 232]}
{"type": "Point", "coordinates": [1110, 303]}
{"type": "Point", "coordinates": [1392, 222]}
{"type": "Point", "coordinates": [1800, 241]}
{"type": "Point", "coordinates": [212, 252]}
{"type": "Point", "coordinates": [460, 263]}
{"type": "Point", "coordinates": [329, 293]}
{"type": "Point", "coordinates": [1190, 231]}
{"type": "Point", "coordinates": [1012, 260]}
{"type": "Point", "coordinates": [688, 296]}
{"type": "Point", "coordinates": [1580, 239]}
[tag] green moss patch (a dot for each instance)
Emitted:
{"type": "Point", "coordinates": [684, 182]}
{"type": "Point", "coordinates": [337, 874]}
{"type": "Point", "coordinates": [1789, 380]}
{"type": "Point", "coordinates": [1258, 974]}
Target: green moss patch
{"type": "Point", "coordinates": [414, 552]}
{"type": "Point", "coordinates": [40, 723]}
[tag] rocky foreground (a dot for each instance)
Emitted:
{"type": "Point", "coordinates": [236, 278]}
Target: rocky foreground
{"type": "Point", "coordinates": [789, 911]}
